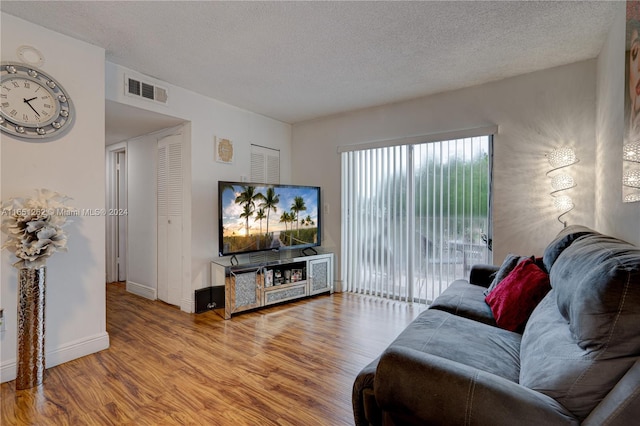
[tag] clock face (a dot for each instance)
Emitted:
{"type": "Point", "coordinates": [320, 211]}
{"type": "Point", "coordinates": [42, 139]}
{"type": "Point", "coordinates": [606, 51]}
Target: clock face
{"type": "Point", "coordinates": [27, 102]}
{"type": "Point", "coordinates": [32, 104]}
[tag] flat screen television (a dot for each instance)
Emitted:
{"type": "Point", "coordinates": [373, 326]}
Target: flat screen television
{"type": "Point", "coordinates": [257, 217]}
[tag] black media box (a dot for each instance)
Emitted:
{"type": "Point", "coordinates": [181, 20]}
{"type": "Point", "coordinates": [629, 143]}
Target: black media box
{"type": "Point", "coordinates": [209, 298]}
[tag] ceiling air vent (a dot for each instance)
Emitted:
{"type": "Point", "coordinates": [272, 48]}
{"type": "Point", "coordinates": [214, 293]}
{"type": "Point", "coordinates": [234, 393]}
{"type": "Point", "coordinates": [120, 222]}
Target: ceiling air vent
{"type": "Point", "coordinates": [138, 88]}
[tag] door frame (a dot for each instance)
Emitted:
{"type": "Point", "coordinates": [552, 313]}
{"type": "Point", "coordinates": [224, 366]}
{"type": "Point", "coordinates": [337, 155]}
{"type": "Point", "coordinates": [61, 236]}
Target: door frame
{"type": "Point", "coordinates": [112, 239]}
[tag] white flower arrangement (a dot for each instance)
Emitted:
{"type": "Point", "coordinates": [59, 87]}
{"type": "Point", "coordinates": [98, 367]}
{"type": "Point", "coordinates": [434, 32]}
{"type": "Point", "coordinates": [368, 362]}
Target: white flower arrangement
{"type": "Point", "coordinates": [34, 227]}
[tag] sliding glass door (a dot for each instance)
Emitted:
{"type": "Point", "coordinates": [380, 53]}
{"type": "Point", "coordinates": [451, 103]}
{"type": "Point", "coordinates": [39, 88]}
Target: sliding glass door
{"type": "Point", "coordinates": [416, 216]}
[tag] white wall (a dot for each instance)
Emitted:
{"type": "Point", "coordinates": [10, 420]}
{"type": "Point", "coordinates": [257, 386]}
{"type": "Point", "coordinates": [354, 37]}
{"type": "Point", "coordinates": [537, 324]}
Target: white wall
{"type": "Point", "coordinates": [2, 305]}
{"type": "Point", "coordinates": [73, 165]}
{"type": "Point", "coordinates": [612, 215]}
{"type": "Point", "coordinates": [535, 112]}
{"type": "Point", "coordinates": [207, 118]}
{"type": "Point", "coordinates": [142, 222]}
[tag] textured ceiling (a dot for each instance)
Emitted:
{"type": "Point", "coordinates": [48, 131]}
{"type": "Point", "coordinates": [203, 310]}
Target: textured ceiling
{"type": "Point", "coordinates": [295, 61]}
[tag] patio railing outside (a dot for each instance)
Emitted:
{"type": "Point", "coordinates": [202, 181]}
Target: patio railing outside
{"type": "Point", "coordinates": [438, 259]}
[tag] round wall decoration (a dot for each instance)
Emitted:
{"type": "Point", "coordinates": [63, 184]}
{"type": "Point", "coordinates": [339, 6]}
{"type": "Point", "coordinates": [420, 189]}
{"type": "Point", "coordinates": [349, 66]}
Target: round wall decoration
{"type": "Point", "coordinates": [33, 105]}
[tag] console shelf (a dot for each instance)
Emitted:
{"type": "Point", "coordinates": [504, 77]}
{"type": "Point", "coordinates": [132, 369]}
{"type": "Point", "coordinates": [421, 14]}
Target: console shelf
{"type": "Point", "coordinates": [254, 285]}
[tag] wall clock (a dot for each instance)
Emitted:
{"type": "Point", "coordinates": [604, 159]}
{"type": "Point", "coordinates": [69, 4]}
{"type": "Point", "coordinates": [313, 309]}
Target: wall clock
{"type": "Point", "coordinates": [33, 105]}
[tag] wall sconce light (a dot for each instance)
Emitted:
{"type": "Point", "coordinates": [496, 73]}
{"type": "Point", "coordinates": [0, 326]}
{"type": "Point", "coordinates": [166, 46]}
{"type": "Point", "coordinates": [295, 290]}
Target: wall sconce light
{"type": "Point", "coordinates": [560, 181]}
{"type": "Point", "coordinates": [631, 152]}
{"type": "Point", "coordinates": [631, 177]}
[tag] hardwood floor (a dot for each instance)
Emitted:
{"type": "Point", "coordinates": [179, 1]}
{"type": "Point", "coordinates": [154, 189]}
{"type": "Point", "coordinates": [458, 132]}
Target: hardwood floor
{"type": "Point", "coordinates": [292, 364]}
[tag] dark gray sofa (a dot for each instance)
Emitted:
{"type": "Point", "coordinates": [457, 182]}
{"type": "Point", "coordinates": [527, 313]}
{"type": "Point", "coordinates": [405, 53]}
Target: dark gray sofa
{"type": "Point", "coordinates": [576, 362]}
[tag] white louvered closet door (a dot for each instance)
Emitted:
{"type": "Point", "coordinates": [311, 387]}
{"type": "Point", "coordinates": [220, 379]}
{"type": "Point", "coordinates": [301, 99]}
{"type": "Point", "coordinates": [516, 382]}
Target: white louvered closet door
{"type": "Point", "coordinates": [169, 187]}
{"type": "Point", "coordinates": [265, 164]}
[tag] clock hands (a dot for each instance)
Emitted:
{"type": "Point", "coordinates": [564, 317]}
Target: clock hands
{"type": "Point", "coordinates": [27, 101]}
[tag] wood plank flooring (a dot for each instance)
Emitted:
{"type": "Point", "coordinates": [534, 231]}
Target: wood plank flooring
{"type": "Point", "coordinates": [292, 364]}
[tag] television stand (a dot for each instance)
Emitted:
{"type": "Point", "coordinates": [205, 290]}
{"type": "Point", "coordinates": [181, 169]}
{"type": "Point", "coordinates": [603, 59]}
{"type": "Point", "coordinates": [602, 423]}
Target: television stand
{"type": "Point", "coordinates": [255, 285]}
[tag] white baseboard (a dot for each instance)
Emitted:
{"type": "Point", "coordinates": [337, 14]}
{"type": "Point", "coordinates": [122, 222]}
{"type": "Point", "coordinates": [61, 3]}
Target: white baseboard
{"type": "Point", "coordinates": [187, 305]}
{"type": "Point", "coordinates": [64, 353]}
{"type": "Point", "coordinates": [142, 290]}
{"type": "Point", "coordinates": [152, 293]}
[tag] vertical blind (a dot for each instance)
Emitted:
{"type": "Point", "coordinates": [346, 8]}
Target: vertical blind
{"type": "Point", "coordinates": [416, 216]}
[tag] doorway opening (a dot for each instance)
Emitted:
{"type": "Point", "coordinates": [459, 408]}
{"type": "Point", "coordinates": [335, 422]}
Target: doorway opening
{"type": "Point", "coordinates": [117, 207]}
{"type": "Point", "coordinates": [132, 239]}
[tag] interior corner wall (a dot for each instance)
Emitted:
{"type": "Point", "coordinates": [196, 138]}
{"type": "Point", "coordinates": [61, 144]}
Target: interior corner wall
{"type": "Point", "coordinates": [73, 164]}
{"type": "Point", "coordinates": [206, 118]}
{"type": "Point", "coordinates": [613, 217]}
{"type": "Point", "coordinates": [535, 112]}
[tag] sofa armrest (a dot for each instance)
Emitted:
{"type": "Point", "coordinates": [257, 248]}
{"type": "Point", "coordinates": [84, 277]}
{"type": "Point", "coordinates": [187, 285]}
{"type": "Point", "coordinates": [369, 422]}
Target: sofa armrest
{"type": "Point", "coordinates": [365, 410]}
{"type": "Point", "coordinates": [621, 406]}
{"type": "Point", "coordinates": [413, 387]}
{"type": "Point", "coordinates": [482, 274]}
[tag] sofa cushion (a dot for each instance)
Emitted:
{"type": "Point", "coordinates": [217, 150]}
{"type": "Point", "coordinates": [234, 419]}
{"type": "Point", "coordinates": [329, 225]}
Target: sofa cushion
{"type": "Point", "coordinates": [585, 334]}
{"type": "Point", "coordinates": [465, 300]}
{"type": "Point", "coordinates": [597, 282]}
{"type": "Point", "coordinates": [513, 300]}
{"type": "Point", "coordinates": [415, 388]}
{"type": "Point", "coordinates": [466, 341]}
{"type": "Point", "coordinates": [563, 240]}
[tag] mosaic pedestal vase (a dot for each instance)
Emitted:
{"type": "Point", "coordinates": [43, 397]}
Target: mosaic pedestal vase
{"type": "Point", "coordinates": [31, 292]}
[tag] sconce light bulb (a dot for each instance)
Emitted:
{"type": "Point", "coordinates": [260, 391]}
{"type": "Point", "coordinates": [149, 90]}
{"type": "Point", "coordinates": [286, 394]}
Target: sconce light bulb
{"type": "Point", "coordinates": [562, 181]}
{"type": "Point", "coordinates": [631, 178]}
{"type": "Point", "coordinates": [563, 202]}
{"type": "Point", "coordinates": [561, 157]}
{"type": "Point", "coordinates": [631, 198]}
{"type": "Point", "coordinates": [631, 152]}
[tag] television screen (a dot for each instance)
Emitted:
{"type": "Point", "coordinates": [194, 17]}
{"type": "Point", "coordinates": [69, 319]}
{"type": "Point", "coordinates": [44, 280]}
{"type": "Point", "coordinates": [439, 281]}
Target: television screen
{"type": "Point", "coordinates": [256, 217]}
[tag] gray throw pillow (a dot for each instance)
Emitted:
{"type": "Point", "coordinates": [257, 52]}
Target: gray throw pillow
{"type": "Point", "coordinates": [509, 263]}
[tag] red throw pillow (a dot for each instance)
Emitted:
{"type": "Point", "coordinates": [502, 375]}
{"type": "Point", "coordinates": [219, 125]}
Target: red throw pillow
{"type": "Point", "coordinates": [517, 295]}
